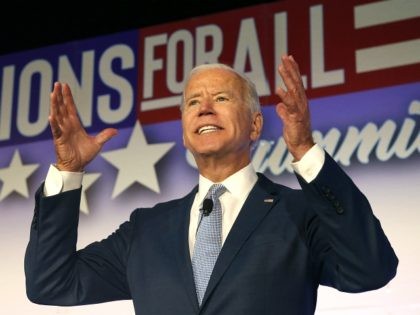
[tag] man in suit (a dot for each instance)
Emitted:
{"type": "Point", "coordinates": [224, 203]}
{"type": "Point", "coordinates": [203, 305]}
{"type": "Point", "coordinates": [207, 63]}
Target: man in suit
{"type": "Point", "coordinates": [279, 244]}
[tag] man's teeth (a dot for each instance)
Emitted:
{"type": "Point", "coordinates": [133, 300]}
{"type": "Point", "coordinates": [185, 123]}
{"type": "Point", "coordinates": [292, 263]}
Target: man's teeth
{"type": "Point", "coordinates": [207, 129]}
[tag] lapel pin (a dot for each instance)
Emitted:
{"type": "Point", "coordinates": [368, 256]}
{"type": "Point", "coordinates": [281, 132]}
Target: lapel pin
{"type": "Point", "coordinates": [269, 200]}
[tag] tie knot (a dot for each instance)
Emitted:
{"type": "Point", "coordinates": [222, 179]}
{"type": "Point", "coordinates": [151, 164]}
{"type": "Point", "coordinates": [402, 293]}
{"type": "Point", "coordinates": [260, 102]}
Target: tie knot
{"type": "Point", "coordinates": [216, 190]}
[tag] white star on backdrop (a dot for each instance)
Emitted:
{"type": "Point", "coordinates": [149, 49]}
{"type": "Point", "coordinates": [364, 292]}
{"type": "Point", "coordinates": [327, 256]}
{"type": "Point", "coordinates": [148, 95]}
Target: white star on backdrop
{"type": "Point", "coordinates": [15, 176]}
{"type": "Point", "coordinates": [87, 181]}
{"type": "Point", "coordinates": [136, 162]}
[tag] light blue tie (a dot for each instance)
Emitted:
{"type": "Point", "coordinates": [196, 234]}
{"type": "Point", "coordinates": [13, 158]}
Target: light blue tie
{"type": "Point", "coordinates": [208, 242]}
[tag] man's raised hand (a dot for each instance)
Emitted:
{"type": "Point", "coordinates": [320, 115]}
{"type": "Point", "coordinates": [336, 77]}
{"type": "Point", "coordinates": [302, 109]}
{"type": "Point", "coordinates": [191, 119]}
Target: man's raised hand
{"type": "Point", "coordinates": [293, 109]}
{"type": "Point", "coordinates": [73, 146]}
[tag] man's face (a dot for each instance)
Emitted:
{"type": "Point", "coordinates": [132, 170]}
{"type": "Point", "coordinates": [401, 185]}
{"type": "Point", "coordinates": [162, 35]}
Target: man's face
{"type": "Point", "coordinates": [215, 119]}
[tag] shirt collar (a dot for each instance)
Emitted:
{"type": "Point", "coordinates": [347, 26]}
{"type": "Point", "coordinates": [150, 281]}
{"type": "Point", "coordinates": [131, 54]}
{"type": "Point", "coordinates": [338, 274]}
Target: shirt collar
{"type": "Point", "coordinates": [238, 184]}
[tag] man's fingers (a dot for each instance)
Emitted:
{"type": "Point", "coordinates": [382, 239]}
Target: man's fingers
{"type": "Point", "coordinates": [285, 75]}
{"type": "Point", "coordinates": [288, 102]}
{"type": "Point", "coordinates": [63, 109]}
{"type": "Point", "coordinates": [286, 71]}
{"type": "Point", "coordinates": [55, 118]}
{"type": "Point", "coordinates": [54, 100]}
{"type": "Point", "coordinates": [62, 104]}
{"type": "Point", "coordinates": [294, 97]}
{"type": "Point", "coordinates": [282, 111]}
{"type": "Point", "coordinates": [63, 116]}
{"type": "Point", "coordinates": [289, 71]}
{"type": "Point", "coordinates": [105, 135]}
{"type": "Point", "coordinates": [68, 100]}
{"type": "Point", "coordinates": [292, 68]}
{"type": "Point", "coordinates": [281, 93]}
{"type": "Point", "coordinates": [58, 109]}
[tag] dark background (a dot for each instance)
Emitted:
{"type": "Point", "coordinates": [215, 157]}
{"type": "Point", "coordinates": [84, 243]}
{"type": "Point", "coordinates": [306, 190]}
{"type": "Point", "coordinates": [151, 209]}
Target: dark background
{"type": "Point", "coordinates": [32, 24]}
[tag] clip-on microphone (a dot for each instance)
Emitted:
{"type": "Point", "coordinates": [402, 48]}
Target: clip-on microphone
{"type": "Point", "coordinates": [207, 206]}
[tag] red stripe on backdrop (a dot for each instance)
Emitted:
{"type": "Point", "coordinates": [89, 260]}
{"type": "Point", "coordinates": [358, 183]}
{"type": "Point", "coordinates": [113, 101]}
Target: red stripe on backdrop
{"type": "Point", "coordinates": [322, 36]}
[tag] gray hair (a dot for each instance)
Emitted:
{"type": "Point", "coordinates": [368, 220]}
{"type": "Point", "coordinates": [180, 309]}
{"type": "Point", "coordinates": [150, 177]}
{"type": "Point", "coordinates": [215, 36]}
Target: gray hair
{"type": "Point", "coordinates": [251, 96]}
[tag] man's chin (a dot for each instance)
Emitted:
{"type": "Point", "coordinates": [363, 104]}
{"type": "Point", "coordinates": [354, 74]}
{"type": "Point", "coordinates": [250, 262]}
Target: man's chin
{"type": "Point", "coordinates": [207, 153]}
{"type": "Point", "coordinates": [206, 148]}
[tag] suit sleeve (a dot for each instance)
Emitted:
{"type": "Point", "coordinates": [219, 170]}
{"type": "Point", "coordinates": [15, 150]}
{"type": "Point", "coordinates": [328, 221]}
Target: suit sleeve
{"type": "Point", "coordinates": [345, 238]}
{"type": "Point", "coordinates": [56, 273]}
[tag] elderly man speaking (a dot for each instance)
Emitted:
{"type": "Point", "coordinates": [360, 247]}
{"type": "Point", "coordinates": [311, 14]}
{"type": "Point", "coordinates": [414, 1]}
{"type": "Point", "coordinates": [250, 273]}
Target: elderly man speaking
{"type": "Point", "coordinates": [238, 243]}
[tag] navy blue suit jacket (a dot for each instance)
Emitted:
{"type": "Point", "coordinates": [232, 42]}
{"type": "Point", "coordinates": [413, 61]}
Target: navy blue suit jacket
{"type": "Point", "coordinates": [283, 244]}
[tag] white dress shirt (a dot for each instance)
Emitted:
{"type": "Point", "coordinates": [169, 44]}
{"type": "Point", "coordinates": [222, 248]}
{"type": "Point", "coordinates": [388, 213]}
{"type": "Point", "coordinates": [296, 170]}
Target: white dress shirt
{"type": "Point", "coordinates": [238, 185]}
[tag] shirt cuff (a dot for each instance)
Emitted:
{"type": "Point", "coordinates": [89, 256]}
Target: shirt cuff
{"type": "Point", "coordinates": [310, 164]}
{"type": "Point", "coordinates": [60, 181]}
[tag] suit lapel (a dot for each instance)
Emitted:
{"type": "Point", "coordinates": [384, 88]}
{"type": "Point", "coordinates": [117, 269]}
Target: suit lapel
{"type": "Point", "coordinates": [259, 202]}
{"type": "Point", "coordinates": [178, 246]}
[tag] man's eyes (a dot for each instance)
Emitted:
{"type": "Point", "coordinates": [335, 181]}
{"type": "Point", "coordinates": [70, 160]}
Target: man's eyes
{"type": "Point", "coordinates": [216, 99]}
{"type": "Point", "coordinates": [221, 99]}
{"type": "Point", "coordinates": [192, 102]}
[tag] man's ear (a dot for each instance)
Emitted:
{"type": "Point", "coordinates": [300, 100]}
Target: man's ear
{"type": "Point", "coordinates": [256, 128]}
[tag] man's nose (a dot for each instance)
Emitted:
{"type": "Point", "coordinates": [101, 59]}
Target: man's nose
{"type": "Point", "coordinates": [206, 106]}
